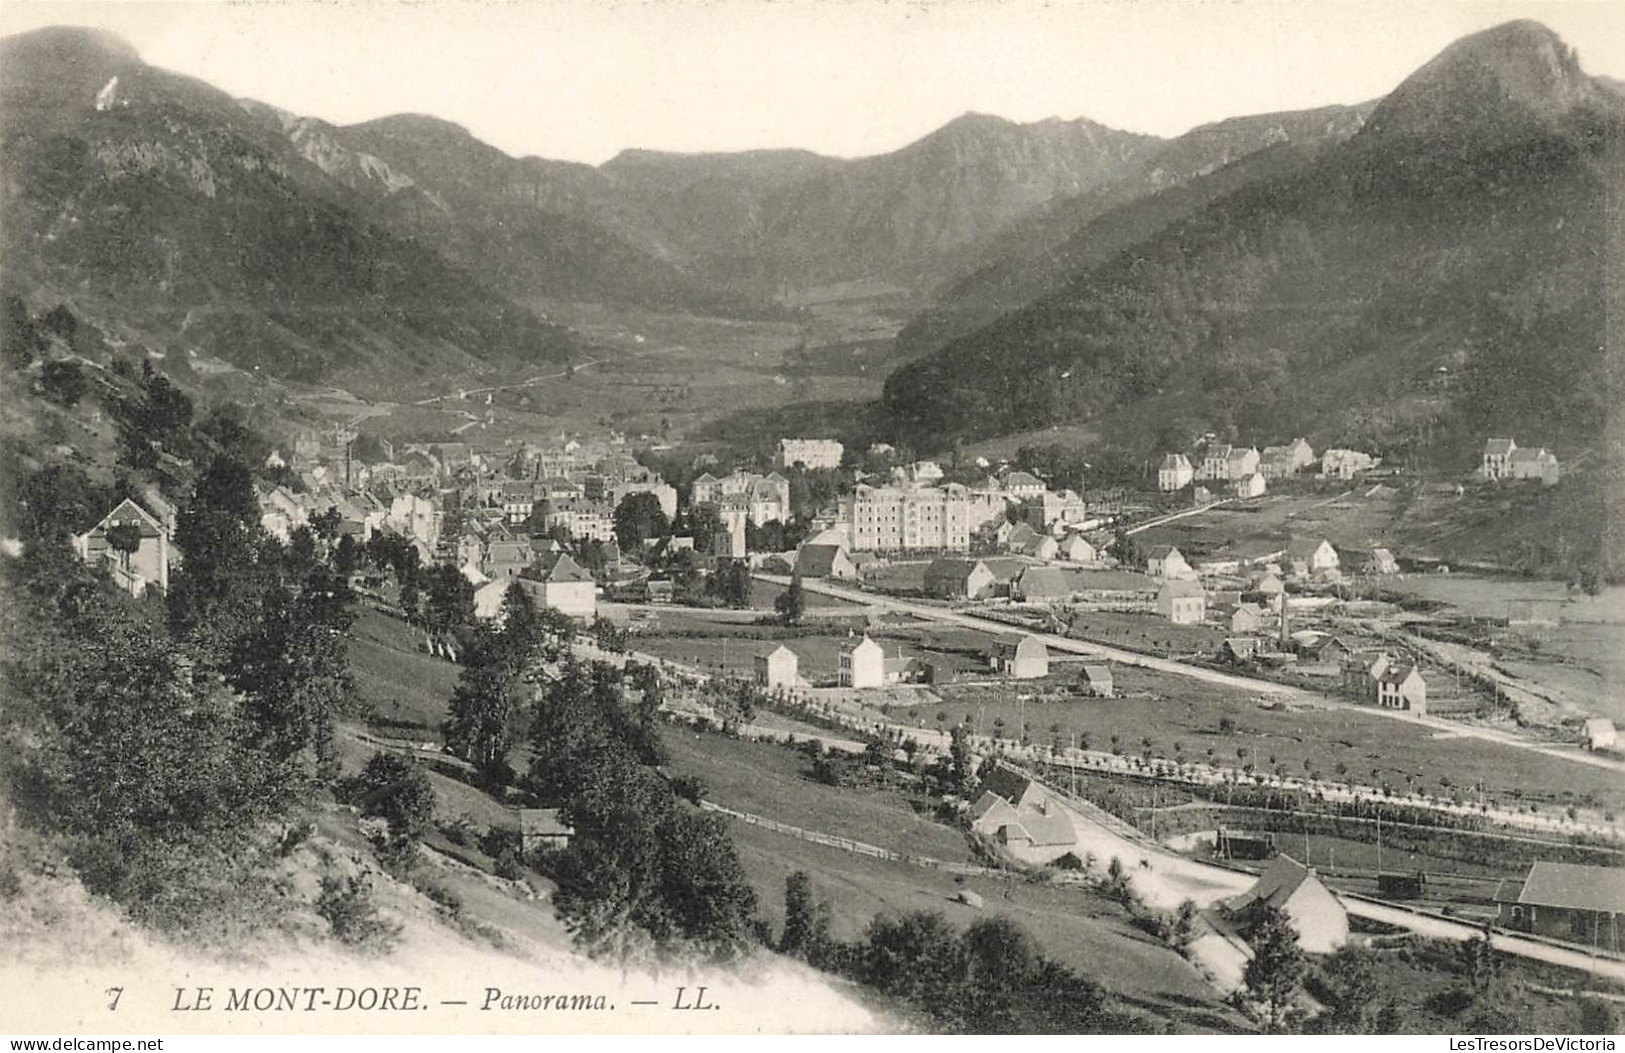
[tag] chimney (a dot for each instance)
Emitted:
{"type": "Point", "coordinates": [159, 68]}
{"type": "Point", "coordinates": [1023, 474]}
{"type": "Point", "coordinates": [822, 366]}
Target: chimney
{"type": "Point", "coordinates": [1286, 639]}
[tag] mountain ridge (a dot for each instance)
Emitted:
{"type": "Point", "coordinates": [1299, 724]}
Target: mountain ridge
{"type": "Point", "coordinates": [1306, 301]}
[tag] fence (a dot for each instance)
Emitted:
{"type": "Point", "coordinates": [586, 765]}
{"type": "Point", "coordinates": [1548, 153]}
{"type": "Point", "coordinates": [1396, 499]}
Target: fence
{"type": "Point", "coordinates": [846, 844]}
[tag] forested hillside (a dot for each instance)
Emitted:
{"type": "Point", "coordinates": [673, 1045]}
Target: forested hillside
{"type": "Point", "coordinates": [1325, 301]}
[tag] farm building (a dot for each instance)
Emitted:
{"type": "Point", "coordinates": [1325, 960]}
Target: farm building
{"type": "Point", "coordinates": [1234, 844]}
{"type": "Point", "coordinates": [959, 579]}
{"type": "Point", "coordinates": [777, 668]}
{"type": "Point", "coordinates": [1182, 602]}
{"type": "Point", "coordinates": [543, 828]}
{"type": "Point", "coordinates": [1045, 584]}
{"type": "Point", "coordinates": [825, 561]}
{"type": "Point", "coordinates": [1246, 618]}
{"type": "Point", "coordinates": [1292, 888]}
{"type": "Point", "coordinates": [1020, 657]}
{"type": "Point", "coordinates": [1242, 648]}
{"type": "Point", "coordinates": [1600, 734]}
{"type": "Point", "coordinates": [1018, 813]}
{"type": "Point", "coordinates": [1076, 549]}
{"type": "Point", "coordinates": [1096, 681]}
{"type": "Point", "coordinates": [1566, 901]}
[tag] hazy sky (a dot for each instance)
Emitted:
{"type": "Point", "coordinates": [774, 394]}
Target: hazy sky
{"type": "Point", "coordinates": [581, 80]}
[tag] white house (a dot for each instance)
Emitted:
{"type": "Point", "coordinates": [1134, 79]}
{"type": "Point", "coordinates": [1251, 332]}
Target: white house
{"type": "Point", "coordinates": [1497, 462]}
{"type": "Point", "coordinates": [1166, 561]}
{"type": "Point", "coordinates": [1253, 485]}
{"type": "Point", "coordinates": [147, 565]}
{"type": "Point", "coordinates": [1316, 914]}
{"type": "Point", "coordinates": [863, 664]}
{"type": "Point", "coordinates": [777, 668]}
{"type": "Point", "coordinates": [557, 582]}
{"type": "Point", "coordinates": [1175, 472]}
{"type": "Point", "coordinates": [1182, 602]}
{"type": "Point", "coordinates": [1600, 733]}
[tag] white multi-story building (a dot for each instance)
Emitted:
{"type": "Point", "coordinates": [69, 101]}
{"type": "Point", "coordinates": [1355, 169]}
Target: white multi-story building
{"type": "Point", "coordinates": [813, 453]}
{"type": "Point", "coordinates": [1175, 472]}
{"type": "Point", "coordinates": [893, 519]}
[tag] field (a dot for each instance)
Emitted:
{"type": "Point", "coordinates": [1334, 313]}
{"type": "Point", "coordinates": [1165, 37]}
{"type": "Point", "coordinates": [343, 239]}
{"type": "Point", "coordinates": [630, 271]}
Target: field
{"type": "Point", "coordinates": [1375, 750]}
{"type": "Point", "coordinates": [1579, 660]}
{"type": "Point", "coordinates": [773, 780]}
{"type": "Point", "coordinates": [394, 679]}
{"type": "Point", "coordinates": [1338, 512]}
{"type": "Point", "coordinates": [1074, 926]}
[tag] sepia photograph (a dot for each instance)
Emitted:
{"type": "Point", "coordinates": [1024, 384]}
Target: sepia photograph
{"type": "Point", "coordinates": [772, 517]}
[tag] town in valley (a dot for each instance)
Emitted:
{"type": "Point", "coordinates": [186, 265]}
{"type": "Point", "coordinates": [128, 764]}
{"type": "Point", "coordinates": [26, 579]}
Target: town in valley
{"type": "Point", "coordinates": [1179, 592]}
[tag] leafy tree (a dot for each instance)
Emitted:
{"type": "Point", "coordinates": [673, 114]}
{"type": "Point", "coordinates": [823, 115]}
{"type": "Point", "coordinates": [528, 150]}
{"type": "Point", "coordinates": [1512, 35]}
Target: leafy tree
{"type": "Point", "coordinates": [639, 518]}
{"type": "Point", "coordinates": [918, 958]}
{"type": "Point", "coordinates": [1277, 966]}
{"type": "Point", "coordinates": [791, 604]}
{"type": "Point", "coordinates": [1478, 962]}
{"type": "Point", "coordinates": [63, 382]}
{"type": "Point", "coordinates": [450, 600]}
{"type": "Point", "coordinates": [806, 924]}
{"type": "Point", "coordinates": [1126, 550]}
{"type": "Point", "coordinates": [20, 341]}
{"type": "Point", "coordinates": [1350, 983]}
{"type": "Point", "coordinates": [960, 761]}
{"type": "Point", "coordinates": [125, 539]}
{"type": "Point", "coordinates": [395, 789]}
{"type": "Point", "coordinates": [484, 707]}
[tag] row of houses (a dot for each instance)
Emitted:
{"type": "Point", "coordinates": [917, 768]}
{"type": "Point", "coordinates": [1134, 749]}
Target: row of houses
{"type": "Point", "coordinates": [1505, 459]}
{"type": "Point", "coordinates": [1249, 471]}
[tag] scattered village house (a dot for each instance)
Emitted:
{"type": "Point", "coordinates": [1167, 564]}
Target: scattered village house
{"type": "Point", "coordinates": [818, 559]}
{"type": "Point", "coordinates": [1166, 561]}
{"type": "Point", "coordinates": [1316, 914]}
{"type": "Point", "coordinates": [1246, 618]}
{"type": "Point", "coordinates": [812, 453]}
{"type": "Point", "coordinates": [1497, 462]}
{"type": "Point", "coordinates": [1600, 734]}
{"type": "Point", "coordinates": [1175, 472]}
{"type": "Point", "coordinates": [1020, 815]}
{"type": "Point", "coordinates": [1345, 464]}
{"type": "Point", "coordinates": [557, 582]}
{"type": "Point", "coordinates": [1075, 548]}
{"type": "Point", "coordinates": [1306, 557]}
{"type": "Point", "coordinates": [862, 664]}
{"type": "Point", "coordinates": [1531, 463]}
{"type": "Point", "coordinates": [777, 668]}
{"type": "Point", "coordinates": [1566, 901]}
{"type": "Point", "coordinates": [1020, 657]}
{"type": "Point", "coordinates": [543, 828]}
{"type": "Point", "coordinates": [1250, 486]}
{"type": "Point", "coordinates": [1182, 602]}
{"type": "Point", "coordinates": [1400, 686]}
{"type": "Point", "coordinates": [134, 570]}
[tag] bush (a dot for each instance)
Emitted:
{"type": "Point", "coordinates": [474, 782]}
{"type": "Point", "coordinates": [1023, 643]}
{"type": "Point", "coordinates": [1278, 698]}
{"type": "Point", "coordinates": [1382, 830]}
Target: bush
{"type": "Point", "coordinates": [347, 906]}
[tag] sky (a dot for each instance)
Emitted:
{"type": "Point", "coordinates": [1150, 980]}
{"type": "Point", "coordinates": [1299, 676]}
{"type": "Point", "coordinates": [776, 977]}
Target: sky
{"type": "Point", "coordinates": [581, 80]}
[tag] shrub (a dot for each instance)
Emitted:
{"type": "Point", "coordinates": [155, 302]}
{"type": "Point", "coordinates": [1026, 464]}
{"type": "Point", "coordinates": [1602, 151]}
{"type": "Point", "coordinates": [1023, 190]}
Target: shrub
{"type": "Point", "coordinates": [347, 906]}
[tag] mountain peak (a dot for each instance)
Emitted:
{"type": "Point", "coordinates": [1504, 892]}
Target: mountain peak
{"type": "Point", "coordinates": [1516, 72]}
{"type": "Point", "coordinates": [66, 52]}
